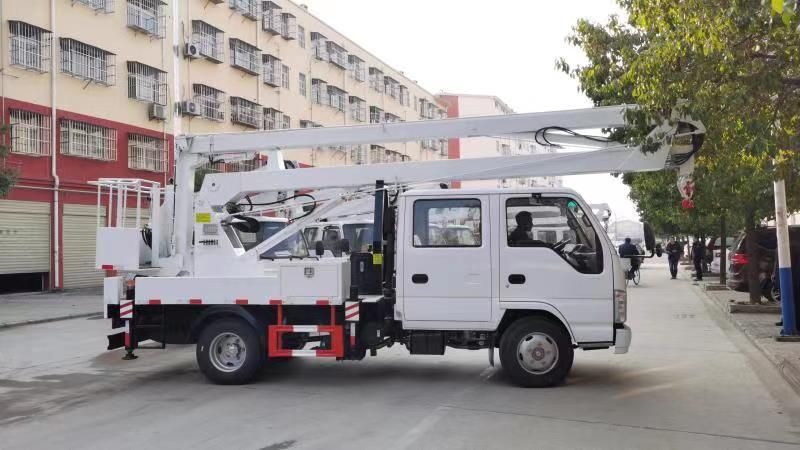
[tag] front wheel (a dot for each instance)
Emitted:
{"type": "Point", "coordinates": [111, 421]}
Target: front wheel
{"type": "Point", "coordinates": [536, 352]}
{"type": "Point", "coordinates": [229, 351]}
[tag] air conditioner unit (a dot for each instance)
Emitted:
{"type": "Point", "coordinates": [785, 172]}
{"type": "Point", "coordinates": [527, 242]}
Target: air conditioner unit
{"type": "Point", "coordinates": [157, 112]}
{"type": "Point", "coordinates": [190, 108]}
{"type": "Point", "coordinates": [191, 51]}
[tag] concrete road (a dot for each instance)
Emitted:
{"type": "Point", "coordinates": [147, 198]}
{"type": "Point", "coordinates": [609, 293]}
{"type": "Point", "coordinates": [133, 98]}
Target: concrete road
{"type": "Point", "coordinates": [689, 382]}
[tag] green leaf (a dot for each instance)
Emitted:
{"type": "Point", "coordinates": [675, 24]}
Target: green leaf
{"type": "Point", "coordinates": [777, 6]}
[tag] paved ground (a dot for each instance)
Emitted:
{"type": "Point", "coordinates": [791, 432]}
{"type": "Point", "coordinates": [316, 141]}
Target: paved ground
{"type": "Point", "coordinates": [25, 308]}
{"type": "Point", "coordinates": [690, 381]}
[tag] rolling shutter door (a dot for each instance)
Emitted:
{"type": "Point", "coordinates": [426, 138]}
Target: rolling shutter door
{"type": "Point", "coordinates": [24, 237]}
{"type": "Point", "coordinates": [80, 231]}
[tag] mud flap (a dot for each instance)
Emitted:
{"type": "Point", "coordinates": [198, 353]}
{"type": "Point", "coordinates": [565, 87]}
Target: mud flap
{"type": "Point", "coordinates": [116, 340]}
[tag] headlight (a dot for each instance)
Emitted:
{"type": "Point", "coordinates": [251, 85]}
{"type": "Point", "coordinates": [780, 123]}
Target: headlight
{"type": "Point", "coordinates": [620, 306]}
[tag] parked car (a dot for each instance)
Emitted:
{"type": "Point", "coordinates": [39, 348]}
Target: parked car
{"type": "Point", "coordinates": [714, 250]}
{"type": "Point", "coordinates": [739, 262]}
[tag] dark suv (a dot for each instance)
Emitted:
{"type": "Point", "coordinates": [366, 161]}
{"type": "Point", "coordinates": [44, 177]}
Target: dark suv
{"type": "Point", "coordinates": [739, 261]}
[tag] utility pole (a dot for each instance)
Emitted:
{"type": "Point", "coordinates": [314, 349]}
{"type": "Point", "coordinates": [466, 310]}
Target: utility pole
{"type": "Point", "coordinates": [784, 261]}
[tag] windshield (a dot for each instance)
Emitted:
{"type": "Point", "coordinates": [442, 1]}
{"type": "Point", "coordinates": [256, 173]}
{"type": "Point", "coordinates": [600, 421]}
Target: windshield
{"type": "Point", "coordinates": [293, 246]}
{"type": "Point", "coordinates": [359, 235]}
{"type": "Point", "coordinates": [266, 230]}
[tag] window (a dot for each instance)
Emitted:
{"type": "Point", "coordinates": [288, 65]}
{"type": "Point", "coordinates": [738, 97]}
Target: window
{"type": "Point", "coordinates": [309, 124]}
{"type": "Point", "coordinates": [301, 36]}
{"type": "Point", "coordinates": [102, 6]}
{"type": "Point", "coordinates": [271, 18]}
{"type": "Point", "coordinates": [375, 114]}
{"type": "Point", "coordinates": [319, 46]}
{"type": "Point", "coordinates": [273, 119]}
{"type": "Point", "coordinates": [444, 147]}
{"type": "Point", "coordinates": [247, 8]}
{"type": "Point", "coordinates": [146, 83]}
{"type": "Point", "coordinates": [210, 101]}
{"type": "Point", "coordinates": [209, 40]}
{"type": "Point", "coordinates": [447, 223]}
{"type": "Point", "coordinates": [272, 70]}
{"type": "Point", "coordinates": [285, 73]}
{"type": "Point", "coordinates": [87, 140]}
{"type": "Point", "coordinates": [558, 224]}
{"type": "Point", "coordinates": [337, 55]}
{"type": "Point", "coordinates": [358, 109]}
{"type": "Point", "coordinates": [147, 16]}
{"type": "Point", "coordinates": [289, 26]}
{"type": "Point", "coordinates": [376, 79]}
{"type": "Point", "coordinates": [358, 154]}
{"type": "Point", "coordinates": [356, 68]}
{"type": "Point", "coordinates": [30, 46]}
{"type": "Point", "coordinates": [391, 118]}
{"type": "Point", "coordinates": [404, 96]}
{"type": "Point", "coordinates": [30, 133]}
{"type": "Point", "coordinates": [301, 84]}
{"type": "Point", "coordinates": [87, 62]}
{"type": "Point", "coordinates": [338, 98]}
{"type": "Point", "coordinates": [147, 153]}
{"type": "Point", "coordinates": [244, 112]}
{"type": "Point", "coordinates": [287, 122]}
{"type": "Point", "coordinates": [245, 56]}
{"type": "Point", "coordinates": [319, 91]}
{"type": "Point", "coordinates": [391, 87]}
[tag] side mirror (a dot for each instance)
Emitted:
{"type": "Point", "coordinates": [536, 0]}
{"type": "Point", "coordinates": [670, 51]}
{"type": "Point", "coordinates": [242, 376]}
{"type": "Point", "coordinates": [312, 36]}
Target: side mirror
{"type": "Point", "coordinates": [319, 248]}
{"type": "Point", "coordinates": [649, 238]}
{"type": "Point", "coordinates": [344, 245]}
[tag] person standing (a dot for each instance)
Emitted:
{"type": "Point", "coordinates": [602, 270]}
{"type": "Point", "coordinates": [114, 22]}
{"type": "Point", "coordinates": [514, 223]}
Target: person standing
{"type": "Point", "coordinates": [673, 256]}
{"type": "Point", "coordinates": [698, 254]}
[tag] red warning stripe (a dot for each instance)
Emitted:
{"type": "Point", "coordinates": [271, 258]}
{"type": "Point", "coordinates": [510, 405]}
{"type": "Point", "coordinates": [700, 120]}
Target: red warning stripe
{"type": "Point", "coordinates": [195, 301]}
{"type": "Point", "coordinates": [107, 267]}
{"type": "Point", "coordinates": [275, 302]}
{"type": "Point", "coordinates": [354, 305]}
{"type": "Point", "coordinates": [154, 301]}
{"type": "Point", "coordinates": [350, 316]}
{"type": "Point", "coordinates": [323, 302]}
{"type": "Point", "coordinates": [241, 301]}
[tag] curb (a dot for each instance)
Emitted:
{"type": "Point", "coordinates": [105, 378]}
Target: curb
{"type": "Point", "coordinates": [49, 319]}
{"type": "Point", "coordinates": [788, 370]}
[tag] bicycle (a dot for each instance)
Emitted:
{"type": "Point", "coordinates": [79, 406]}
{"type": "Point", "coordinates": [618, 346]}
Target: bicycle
{"type": "Point", "coordinates": [631, 273]}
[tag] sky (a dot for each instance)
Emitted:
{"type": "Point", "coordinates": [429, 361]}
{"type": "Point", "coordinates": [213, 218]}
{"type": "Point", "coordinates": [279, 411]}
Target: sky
{"type": "Point", "coordinates": [505, 48]}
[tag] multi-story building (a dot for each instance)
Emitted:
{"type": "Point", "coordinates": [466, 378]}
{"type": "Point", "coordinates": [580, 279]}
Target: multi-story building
{"type": "Point", "coordinates": [466, 105]}
{"type": "Point", "coordinates": [99, 88]}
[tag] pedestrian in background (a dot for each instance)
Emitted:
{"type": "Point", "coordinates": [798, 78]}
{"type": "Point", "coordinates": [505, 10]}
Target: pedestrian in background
{"type": "Point", "coordinates": [673, 256]}
{"type": "Point", "coordinates": [698, 254]}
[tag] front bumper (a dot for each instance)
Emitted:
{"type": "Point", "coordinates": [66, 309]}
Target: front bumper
{"type": "Point", "coordinates": [623, 340]}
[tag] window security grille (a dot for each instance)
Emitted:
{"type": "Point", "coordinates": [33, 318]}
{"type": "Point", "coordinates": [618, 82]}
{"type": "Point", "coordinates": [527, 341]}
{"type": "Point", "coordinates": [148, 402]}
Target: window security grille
{"type": "Point", "coordinates": [271, 18]}
{"type": "Point", "coordinates": [273, 119]}
{"type": "Point", "coordinates": [358, 109]}
{"type": "Point", "coordinates": [301, 36]}
{"type": "Point", "coordinates": [391, 87]}
{"type": "Point", "coordinates": [101, 6]}
{"type": "Point", "coordinates": [245, 112]}
{"type": "Point", "coordinates": [357, 68]}
{"type": "Point", "coordinates": [247, 8]}
{"type": "Point", "coordinates": [245, 56]}
{"type": "Point", "coordinates": [376, 79]}
{"type": "Point", "coordinates": [87, 62]}
{"type": "Point", "coordinates": [309, 124]}
{"type": "Point", "coordinates": [146, 83]}
{"type": "Point", "coordinates": [337, 55]}
{"type": "Point", "coordinates": [147, 153]}
{"type": "Point", "coordinates": [272, 70]}
{"type": "Point", "coordinates": [358, 154]}
{"type": "Point", "coordinates": [338, 98]}
{"type": "Point", "coordinates": [288, 26]}
{"type": "Point", "coordinates": [285, 73]}
{"type": "Point", "coordinates": [209, 40]}
{"type": "Point", "coordinates": [404, 96]}
{"type": "Point", "coordinates": [391, 118]}
{"type": "Point", "coordinates": [87, 140]}
{"type": "Point", "coordinates": [444, 148]}
{"type": "Point", "coordinates": [377, 154]}
{"type": "Point", "coordinates": [210, 101]}
{"type": "Point", "coordinates": [319, 91]}
{"type": "Point", "coordinates": [301, 84]}
{"type": "Point", "coordinates": [287, 122]}
{"type": "Point", "coordinates": [30, 133]}
{"type": "Point", "coordinates": [30, 46]}
{"type": "Point", "coordinates": [147, 16]}
{"type": "Point", "coordinates": [319, 46]}
{"type": "Point", "coordinates": [375, 114]}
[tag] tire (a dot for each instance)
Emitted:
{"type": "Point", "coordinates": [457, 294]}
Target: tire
{"type": "Point", "coordinates": [536, 334]}
{"type": "Point", "coordinates": [637, 277]}
{"type": "Point", "coordinates": [241, 363]}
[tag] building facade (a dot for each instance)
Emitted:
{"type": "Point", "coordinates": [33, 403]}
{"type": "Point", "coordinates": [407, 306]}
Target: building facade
{"type": "Point", "coordinates": [99, 88]}
{"type": "Point", "coordinates": [466, 105]}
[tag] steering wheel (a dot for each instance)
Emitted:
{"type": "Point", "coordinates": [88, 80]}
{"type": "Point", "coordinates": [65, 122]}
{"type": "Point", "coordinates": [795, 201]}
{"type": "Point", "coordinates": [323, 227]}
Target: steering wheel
{"type": "Point", "coordinates": [558, 246]}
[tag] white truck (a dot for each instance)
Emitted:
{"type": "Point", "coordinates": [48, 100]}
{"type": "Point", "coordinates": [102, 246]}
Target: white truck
{"type": "Point", "coordinates": [536, 300]}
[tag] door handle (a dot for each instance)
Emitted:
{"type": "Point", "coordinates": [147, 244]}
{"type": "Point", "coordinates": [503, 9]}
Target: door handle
{"type": "Point", "coordinates": [419, 278]}
{"type": "Point", "coordinates": [516, 278]}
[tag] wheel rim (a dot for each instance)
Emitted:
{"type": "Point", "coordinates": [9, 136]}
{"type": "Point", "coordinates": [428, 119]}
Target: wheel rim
{"type": "Point", "coordinates": [227, 352]}
{"type": "Point", "coordinates": [537, 353]}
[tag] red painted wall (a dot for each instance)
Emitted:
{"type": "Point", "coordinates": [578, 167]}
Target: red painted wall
{"type": "Point", "coordinates": [453, 145]}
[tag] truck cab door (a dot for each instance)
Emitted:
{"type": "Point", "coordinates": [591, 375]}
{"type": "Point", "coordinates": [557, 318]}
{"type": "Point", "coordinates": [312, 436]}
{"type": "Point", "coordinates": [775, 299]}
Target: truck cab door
{"type": "Point", "coordinates": [551, 251]}
{"type": "Point", "coordinates": [446, 271]}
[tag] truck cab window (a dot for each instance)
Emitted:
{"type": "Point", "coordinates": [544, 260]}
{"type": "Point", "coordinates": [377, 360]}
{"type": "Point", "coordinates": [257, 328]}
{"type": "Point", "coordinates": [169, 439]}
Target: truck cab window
{"type": "Point", "coordinates": [556, 223]}
{"type": "Point", "coordinates": [447, 223]}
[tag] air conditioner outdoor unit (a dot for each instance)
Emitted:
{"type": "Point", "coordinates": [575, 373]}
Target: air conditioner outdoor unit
{"type": "Point", "coordinates": [157, 112]}
{"type": "Point", "coordinates": [190, 108]}
{"type": "Point", "coordinates": [191, 51]}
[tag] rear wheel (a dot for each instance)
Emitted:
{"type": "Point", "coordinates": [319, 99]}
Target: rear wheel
{"type": "Point", "coordinates": [229, 351]}
{"type": "Point", "coordinates": [637, 277]}
{"type": "Point", "coordinates": [536, 352]}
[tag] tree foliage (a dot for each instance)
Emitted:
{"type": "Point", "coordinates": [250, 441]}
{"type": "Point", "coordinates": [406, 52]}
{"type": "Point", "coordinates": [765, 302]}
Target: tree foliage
{"type": "Point", "coordinates": [738, 65]}
{"type": "Point", "coordinates": [8, 175]}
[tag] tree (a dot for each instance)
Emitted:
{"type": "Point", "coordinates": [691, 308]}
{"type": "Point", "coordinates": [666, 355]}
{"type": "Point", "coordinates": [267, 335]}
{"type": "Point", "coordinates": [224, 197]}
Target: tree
{"type": "Point", "coordinates": [725, 62]}
{"type": "Point", "coordinates": [8, 175]}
